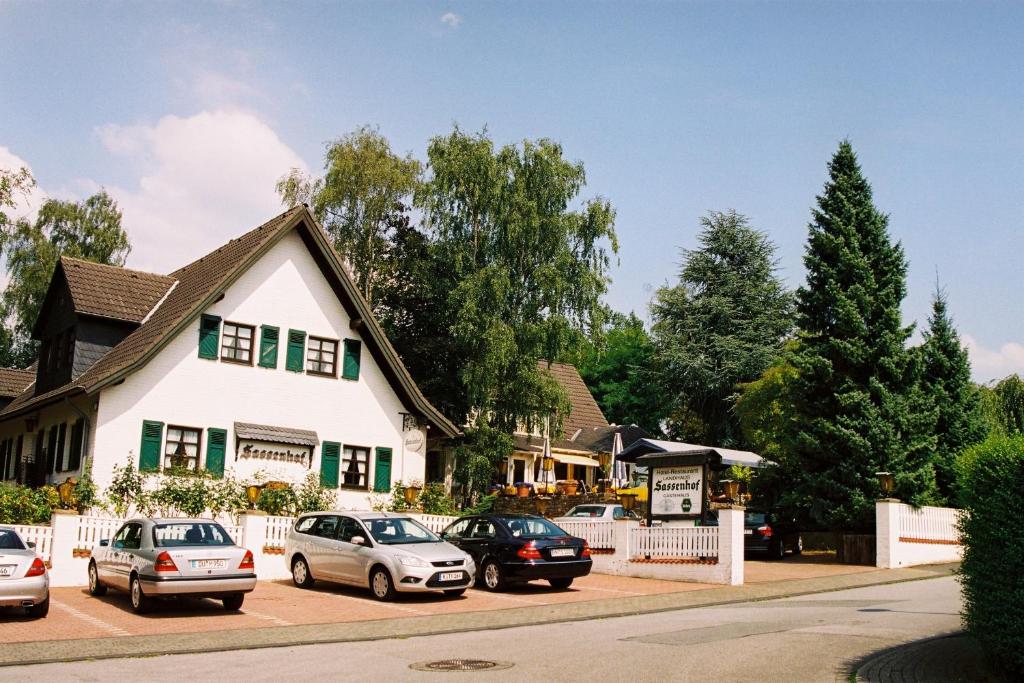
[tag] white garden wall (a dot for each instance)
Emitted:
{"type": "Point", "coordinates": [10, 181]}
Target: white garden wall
{"type": "Point", "coordinates": [906, 536]}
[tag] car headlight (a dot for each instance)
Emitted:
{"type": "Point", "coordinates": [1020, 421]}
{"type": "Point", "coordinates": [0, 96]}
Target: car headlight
{"type": "Point", "coordinates": [412, 561]}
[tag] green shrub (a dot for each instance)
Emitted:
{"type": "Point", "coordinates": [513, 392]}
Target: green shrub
{"type": "Point", "coordinates": [313, 496]}
{"type": "Point", "coordinates": [185, 491]}
{"type": "Point", "coordinates": [127, 490]}
{"type": "Point", "coordinates": [26, 505]}
{"type": "Point", "coordinates": [84, 493]}
{"type": "Point", "coordinates": [991, 480]}
{"type": "Point", "coordinates": [277, 501]}
{"type": "Point", "coordinates": [435, 501]}
{"type": "Point", "coordinates": [483, 507]}
{"type": "Point", "coordinates": [397, 502]}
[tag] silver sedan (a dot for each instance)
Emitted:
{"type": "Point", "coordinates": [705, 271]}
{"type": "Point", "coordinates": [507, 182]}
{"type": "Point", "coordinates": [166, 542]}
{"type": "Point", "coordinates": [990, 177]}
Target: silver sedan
{"type": "Point", "coordinates": [158, 558]}
{"type": "Point", "coordinates": [24, 581]}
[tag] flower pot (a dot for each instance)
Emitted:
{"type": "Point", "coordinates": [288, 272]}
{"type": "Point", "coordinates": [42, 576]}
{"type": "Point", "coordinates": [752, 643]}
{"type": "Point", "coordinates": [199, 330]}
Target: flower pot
{"type": "Point", "coordinates": [509, 490]}
{"type": "Point", "coordinates": [570, 488]}
{"type": "Point", "coordinates": [523, 491]}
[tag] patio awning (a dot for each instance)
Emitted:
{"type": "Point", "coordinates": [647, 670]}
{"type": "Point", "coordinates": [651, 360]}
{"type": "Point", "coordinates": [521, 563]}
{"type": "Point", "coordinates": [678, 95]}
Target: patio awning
{"type": "Point", "coordinates": [575, 460]}
{"type": "Point", "coordinates": [724, 456]}
{"type": "Point", "coordinates": [299, 437]}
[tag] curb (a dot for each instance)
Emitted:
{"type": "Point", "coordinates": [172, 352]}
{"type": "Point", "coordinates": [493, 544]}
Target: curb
{"type": "Point", "coordinates": [60, 651]}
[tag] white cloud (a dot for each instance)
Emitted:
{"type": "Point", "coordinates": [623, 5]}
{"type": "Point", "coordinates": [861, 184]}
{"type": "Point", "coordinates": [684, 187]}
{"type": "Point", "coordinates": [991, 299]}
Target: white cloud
{"type": "Point", "coordinates": [989, 364]}
{"type": "Point", "coordinates": [452, 19]}
{"type": "Point", "coordinates": [203, 180]}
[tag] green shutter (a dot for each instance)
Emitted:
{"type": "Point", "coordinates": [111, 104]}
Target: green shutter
{"type": "Point", "coordinates": [382, 471]}
{"type": "Point", "coordinates": [296, 349]}
{"type": "Point", "coordinates": [216, 442]}
{"type": "Point", "coordinates": [330, 455]}
{"type": "Point", "coordinates": [75, 456]}
{"type": "Point", "coordinates": [350, 367]}
{"type": "Point", "coordinates": [149, 451]}
{"type": "Point", "coordinates": [209, 336]}
{"type": "Point", "coordinates": [268, 346]}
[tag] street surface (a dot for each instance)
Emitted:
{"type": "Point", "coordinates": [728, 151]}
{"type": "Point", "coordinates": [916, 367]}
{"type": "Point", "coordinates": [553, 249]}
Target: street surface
{"type": "Point", "coordinates": [808, 638]}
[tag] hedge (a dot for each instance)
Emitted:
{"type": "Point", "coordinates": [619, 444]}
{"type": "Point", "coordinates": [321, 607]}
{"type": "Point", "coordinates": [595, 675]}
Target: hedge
{"type": "Point", "coordinates": [991, 477]}
{"type": "Point", "coordinates": [25, 505]}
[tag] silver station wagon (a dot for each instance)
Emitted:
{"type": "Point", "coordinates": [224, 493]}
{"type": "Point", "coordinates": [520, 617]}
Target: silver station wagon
{"type": "Point", "coordinates": [159, 558]}
{"type": "Point", "coordinates": [387, 551]}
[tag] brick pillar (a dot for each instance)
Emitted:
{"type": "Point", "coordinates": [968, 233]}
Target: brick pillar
{"type": "Point", "coordinates": [887, 533]}
{"type": "Point", "coordinates": [730, 543]}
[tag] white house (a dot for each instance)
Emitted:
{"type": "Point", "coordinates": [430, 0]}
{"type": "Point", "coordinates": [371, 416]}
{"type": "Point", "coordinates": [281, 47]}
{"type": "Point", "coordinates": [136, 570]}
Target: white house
{"type": "Point", "coordinates": [261, 355]}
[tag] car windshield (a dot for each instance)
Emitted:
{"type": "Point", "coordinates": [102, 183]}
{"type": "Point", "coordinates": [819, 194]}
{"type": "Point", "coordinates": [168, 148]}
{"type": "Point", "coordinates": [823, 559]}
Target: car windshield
{"type": "Point", "coordinates": [586, 511]}
{"type": "Point", "coordinates": [752, 518]}
{"type": "Point", "coordinates": [399, 530]}
{"type": "Point", "coordinates": [10, 541]}
{"type": "Point", "coordinates": [181, 534]}
{"type": "Point", "coordinates": [531, 527]}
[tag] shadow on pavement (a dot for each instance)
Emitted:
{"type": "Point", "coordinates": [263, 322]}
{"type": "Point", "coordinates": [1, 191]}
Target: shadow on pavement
{"type": "Point", "coordinates": [953, 658]}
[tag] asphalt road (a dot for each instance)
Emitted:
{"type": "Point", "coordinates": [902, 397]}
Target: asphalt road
{"type": "Point", "coordinates": [809, 638]}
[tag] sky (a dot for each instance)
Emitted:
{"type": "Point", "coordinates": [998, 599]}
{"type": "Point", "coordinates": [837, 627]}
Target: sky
{"type": "Point", "coordinates": [188, 113]}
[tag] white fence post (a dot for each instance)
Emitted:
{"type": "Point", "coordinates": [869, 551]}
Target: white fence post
{"type": "Point", "coordinates": [730, 543]}
{"type": "Point", "coordinates": [887, 532]}
{"type": "Point", "coordinates": [65, 567]}
{"type": "Point", "coordinates": [254, 538]}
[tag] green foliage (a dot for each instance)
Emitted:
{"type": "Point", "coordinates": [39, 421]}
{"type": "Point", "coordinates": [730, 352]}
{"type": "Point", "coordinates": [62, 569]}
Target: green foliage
{"type": "Point", "coordinates": [26, 505]}
{"type": "Point", "coordinates": [12, 184]}
{"type": "Point", "coordinates": [619, 370]}
{"type": "Point", "coordinates": [483, 507]}
{"type": "Point", "coordinates": [477, 458]}
{"type": "Point", "coordinates": [946, 379]}
{"type": "Point", "coordinates": [313, 497]}
{"type": "Point", "coordinates": [89, 230]}
{"type": "Point", "coordinates": [858, 407]}
{"type": "Point", "coordinates": [127, 489]}
{"type": "Point", "coordinates": [364, 188]}
{"type": "Point", "coordinates": [991, 478]}
{"type": "Point", "coordinates": [278, 501]}
{"type": "Point", "coordinates": [1010, 395]}
{"type": "Point", "coordinates": [183, 491]}
{"type": "Point", "coordinates": [435, 501]}
{"type": "Point", "coordinates": [722, 325]}
{"type": "Point", "coordinates": [85, 491]}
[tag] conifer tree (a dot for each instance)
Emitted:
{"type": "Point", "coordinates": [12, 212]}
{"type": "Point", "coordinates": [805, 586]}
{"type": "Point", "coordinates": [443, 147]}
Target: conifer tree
{"type": "Point", "coordinates": [947, 381]}
{"type": "Point", "coordinates": [858, 405]}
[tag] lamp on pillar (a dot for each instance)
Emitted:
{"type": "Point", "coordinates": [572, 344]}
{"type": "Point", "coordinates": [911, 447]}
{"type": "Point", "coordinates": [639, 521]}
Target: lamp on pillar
{"type": "Point", "coordinates": [66, 491]}
{"type": "Point", "coordinates": [887, 482]}
{"type": "Point", "coordinates": [628, 501]}
{"type": "Point", "coordinates": [411, 493]}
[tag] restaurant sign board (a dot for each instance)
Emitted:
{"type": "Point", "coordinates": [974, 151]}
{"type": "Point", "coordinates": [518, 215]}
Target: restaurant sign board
{"type": "Point", "coordinates": [676, 492]}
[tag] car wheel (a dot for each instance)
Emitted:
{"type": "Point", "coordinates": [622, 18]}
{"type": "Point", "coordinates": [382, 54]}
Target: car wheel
{"type": "Point", "coordinates": [39, 610]}
{"type": "Point", "coordinates": [799, 547]}
{"type": "Point", "coordinates": [493, 577]}
{"type": "Point", "coordinates": [233, 603]}
{"type": "Point", "coordinates": [95, 587]}
{"type": "Point", "coordinates": [301, 575]}
{"type": "Point", "coordinates": [455, 592]}
{"type": "Point", "coordinates": [381, 585]}
{"type": "Point", "coordinates": [560, 583]}
{"type": "Point", "coordinates": [777, 550]}
{"type": "Point", "coordinates": [140, 603]}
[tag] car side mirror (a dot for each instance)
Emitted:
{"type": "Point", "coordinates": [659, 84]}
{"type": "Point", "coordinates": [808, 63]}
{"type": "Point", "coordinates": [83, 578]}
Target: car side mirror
{"type": "Point", "coordinates": [31, 545]}
{"type": "Point", "coordinates": [358, 540]}
{"type": "Point", "coordinates": [105, 542]}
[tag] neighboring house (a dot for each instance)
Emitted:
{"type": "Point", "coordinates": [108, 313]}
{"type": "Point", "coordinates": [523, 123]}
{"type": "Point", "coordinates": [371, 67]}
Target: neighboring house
{"type": "Point", "coordinates": [586, 436]}
{"type": "Point", "coordinates": [260, 356]}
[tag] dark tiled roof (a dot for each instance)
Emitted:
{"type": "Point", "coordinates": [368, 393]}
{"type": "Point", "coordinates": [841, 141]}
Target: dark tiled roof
{"type": "Point", "coordinates": [112, 291]}
{"type": "Point", "coordinates": [585, 413]}
{"type": "Point", "coordinates": [302, 437]}
{"type": "Point", "coordinates": [197, 284]}
{"type": "Point", "coordinates": [13, 381]}
{"type": "Point", "coordinates": [602, 439]}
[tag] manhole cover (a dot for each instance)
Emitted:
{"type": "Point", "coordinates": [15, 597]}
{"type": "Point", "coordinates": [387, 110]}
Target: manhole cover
{"type": "Point", "coordinates": [460, 665]}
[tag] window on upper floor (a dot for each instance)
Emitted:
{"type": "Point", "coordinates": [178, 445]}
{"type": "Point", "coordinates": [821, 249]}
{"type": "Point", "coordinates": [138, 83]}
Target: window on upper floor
{"type": "Point", "coordinates": [182, 447]}
{"type": "Point", "coordinates": [322, 356]}
{"type": "Point", "coordinates": [236, 343]}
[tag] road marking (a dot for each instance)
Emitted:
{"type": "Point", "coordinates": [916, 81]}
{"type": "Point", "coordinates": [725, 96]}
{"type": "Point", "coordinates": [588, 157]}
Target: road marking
{"type": "Point", "coordinates": [400, 608]}
{"type": "Point", "coordinates": [95, 621]}
{"type": "Point", "coordinates": [267, 617]}
{"type": "Point", "coordinates": [502, 596]}
{"type": "Point", "coordinates": [607, 590]}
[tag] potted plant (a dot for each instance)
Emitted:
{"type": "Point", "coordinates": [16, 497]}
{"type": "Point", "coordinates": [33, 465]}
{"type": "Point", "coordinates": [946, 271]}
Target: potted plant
{"type": "Point", "coordinates": [570, 487]}
{"type": "Point", "coordinates": [523, 489]}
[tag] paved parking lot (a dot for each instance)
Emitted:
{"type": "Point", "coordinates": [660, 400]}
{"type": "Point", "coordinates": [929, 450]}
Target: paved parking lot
{"type": "Point", "coordinates": [75, 614]}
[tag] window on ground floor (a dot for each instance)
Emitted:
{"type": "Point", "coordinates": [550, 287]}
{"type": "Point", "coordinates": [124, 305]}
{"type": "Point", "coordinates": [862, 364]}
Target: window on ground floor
{"type": "Point", "coordinates": [354, 464]}
{"type": "Point", "coordinates": [182, 447]}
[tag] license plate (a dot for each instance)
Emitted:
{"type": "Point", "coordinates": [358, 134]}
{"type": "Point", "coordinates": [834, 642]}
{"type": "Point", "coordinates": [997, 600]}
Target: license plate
{"type": "Point", "coordinates": [748, 532]}
{"type": "Point", "coordinates": [209, 564]}
{"type": "Point", "coordinates": [7, 569]}
{"type": "Point", "coordinates": [450, 576]}
{"type": "Point", "coordinates": [563, 552]}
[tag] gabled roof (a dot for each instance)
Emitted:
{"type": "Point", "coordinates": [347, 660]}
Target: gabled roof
{"type": "Point", "coordinates": [200, 284]}
{"type": "Point", "coordinates": [728, 456]}
{"type": "Point", "coordinates": [112, 291]}
{"type": "Point", "coordinates": [585, 414]}
{"type": "Point", "coordinates": [14, 381]}
{"type": "Point", "coordinates": [602, 439]}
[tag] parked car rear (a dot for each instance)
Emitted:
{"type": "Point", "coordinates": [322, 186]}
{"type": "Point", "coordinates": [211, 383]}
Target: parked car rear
{"type": "Point", "coordinates": [770, 533]}
{"type": "Point", "coordinates": [24, 581]}
{"type": "Point", "coordinates": [510, 549]}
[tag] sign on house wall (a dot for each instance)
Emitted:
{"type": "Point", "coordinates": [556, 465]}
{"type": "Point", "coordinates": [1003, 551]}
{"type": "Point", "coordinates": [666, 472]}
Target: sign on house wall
{"type": "Point", "coordinates": [266, 451]}
{"type": "Point", "coordinates": [677, 492]}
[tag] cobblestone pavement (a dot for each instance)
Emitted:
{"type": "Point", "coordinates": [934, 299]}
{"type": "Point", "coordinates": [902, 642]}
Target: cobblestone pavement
{"type": "Point", "coordinates": [956, 658]}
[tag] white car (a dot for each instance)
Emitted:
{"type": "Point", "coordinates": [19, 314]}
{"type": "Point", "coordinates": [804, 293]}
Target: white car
{"type": "Point", "coordinates": [158, 558]}
{"type": "Point", "coordinates": [597, 511]}
{"type": "Point", "coordinates": [385, 551]}
{"type": "Point", "coordinates": [24, 581]}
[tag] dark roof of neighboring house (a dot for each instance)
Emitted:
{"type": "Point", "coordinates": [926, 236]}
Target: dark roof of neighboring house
{"type": "Point", "coordinates": [14, 381]}
{"type": "Point", "coordinates": [601, 439]}
{"type": "Point", "coordinates": [584, 413]}
{"type": "Point", "coordinates": [112, 291]}
{"type": "Point", "coordinates": [200, 283]}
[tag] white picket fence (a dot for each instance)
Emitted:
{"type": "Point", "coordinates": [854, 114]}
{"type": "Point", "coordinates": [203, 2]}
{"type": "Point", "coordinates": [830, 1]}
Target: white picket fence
{"type": "Point", "coordinates": [673, 542]}
{"type": "Point", "coordinates": [599, 534]}
{"type": "Point", "coordinates": [42, 536]}
{"type": "Point", "coordinates": [435, 523]}
{"type": "Point", "coordinates": [277, 531]}
{"type": "Point", "coordinates": [929, 524]}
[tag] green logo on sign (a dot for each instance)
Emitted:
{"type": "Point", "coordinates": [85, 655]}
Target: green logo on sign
{"type": "Point", "coordinates": [687, 504]}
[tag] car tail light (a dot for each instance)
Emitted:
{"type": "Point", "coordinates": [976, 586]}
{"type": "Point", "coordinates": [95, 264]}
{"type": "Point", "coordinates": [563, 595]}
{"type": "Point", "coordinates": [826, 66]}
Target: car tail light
{"type": "Point", "coordinates": [765, 531]}
{"type": "Point", "coordinates": [37, 568]}
{"type": "Point", "coordinates": [247, 562]}
{"type": "Point", "coordinates": [529, 551]}
{"type": "Point", "coordinates": [586, 550]}
{"type": "Point", "coordinates": [164, 563]}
